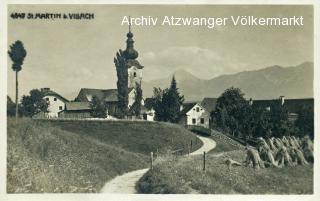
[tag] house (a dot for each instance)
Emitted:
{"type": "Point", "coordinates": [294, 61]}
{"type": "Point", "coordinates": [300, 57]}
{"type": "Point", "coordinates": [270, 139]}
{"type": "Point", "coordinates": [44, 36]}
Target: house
{"type": "Point", "coordinates": [56, 102]}
{"type": "Point", "coordinates": [147, 114]}
{"type": "Point", "coordinates": [194, 114]}
{"type": "Point", "coordinates": [198, 113]}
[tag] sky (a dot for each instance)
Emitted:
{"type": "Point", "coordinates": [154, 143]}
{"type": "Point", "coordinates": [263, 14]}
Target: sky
{"type": "Point", "coordinates": [67, 55]}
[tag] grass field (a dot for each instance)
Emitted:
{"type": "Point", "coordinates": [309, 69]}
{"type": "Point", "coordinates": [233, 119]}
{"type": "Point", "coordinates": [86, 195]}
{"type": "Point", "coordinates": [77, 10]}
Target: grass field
{"type": "Point", "coordinates": [81, 156]}
{"type": "Point", "coordinates": [185, 175]}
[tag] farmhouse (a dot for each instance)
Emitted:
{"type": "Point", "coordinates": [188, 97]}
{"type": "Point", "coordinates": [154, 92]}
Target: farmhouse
{"type": "Point", "coordinates": [197, 113]}
{"type": "Point", "coordinates": [56, 102]}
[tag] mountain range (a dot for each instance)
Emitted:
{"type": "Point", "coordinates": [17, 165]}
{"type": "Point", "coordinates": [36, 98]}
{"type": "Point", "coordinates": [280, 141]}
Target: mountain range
{"type": "Point", "coordinates": [266, 83]}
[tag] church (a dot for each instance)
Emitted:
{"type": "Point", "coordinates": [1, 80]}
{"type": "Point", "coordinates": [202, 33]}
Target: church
{"type": "Point", "coordinates": [80, 107]}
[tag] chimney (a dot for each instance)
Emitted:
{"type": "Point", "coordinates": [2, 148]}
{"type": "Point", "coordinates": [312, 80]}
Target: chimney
{"type": "Point", "coordinates": [250, 101]}
{"type": "Point", "coordinates": [282, 99]}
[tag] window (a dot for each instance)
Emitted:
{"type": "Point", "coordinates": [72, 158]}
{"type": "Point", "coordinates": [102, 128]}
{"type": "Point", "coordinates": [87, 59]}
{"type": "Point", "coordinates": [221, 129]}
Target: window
{"type": "Point", "coordinates": [47, 99]}
{"type": "Point", "coordinates": [198, 109]}
{"type": "Point", "coordinates": [60, 108]}
{"type": "Point", "coordinates": [55, 99]}
{"type": "Point", "coordinates": [202, 120]}
{"type": "Point", "coordinates": [134, 74]}
{"type": "Point", "coordinates": [193, 121]}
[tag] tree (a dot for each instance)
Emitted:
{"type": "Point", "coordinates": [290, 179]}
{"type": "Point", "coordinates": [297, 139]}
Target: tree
{"type": "Point", "coordinates": [33, 103]}
{"type": "Point", "coordinates": [262, 126]}
{"type": "Point", "coordinates": [122, 84]}
{"type": "Point", "coordinates": [305, 122]}
{"type": "Point", "coordinates": [172, 101]}
{"type": "Point", "coordinates": [98, 108]}
{"type": "Point", "coordinates": [157, 104]}
{"type": "Point", "coordinates": [167, 103]}
{"type": "Point", "coordinates": [230, 110]}
{"type": "Point", "coordinates": [136, 106]}
{"type": "Point", "coordinates": [247, 121]}
{"type": "Point", "coordinates": [10, 107]}
{"type": "Point", "coordinates": [17, 54]}
{"type": "Point", "coordinates": [279, 116]}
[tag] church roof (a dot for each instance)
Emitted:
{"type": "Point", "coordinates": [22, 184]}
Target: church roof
{"type": "Point", "coordinates": [133, 62]}
{"type": "Point", "coordinates": [130, 52]}
{"type": "Point", "coordinates": [108, 95]}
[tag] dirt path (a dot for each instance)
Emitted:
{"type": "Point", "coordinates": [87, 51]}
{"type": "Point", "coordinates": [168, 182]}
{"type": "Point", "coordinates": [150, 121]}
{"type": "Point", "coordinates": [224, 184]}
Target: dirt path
{"type": "Point", "coordinates": [126, 183]}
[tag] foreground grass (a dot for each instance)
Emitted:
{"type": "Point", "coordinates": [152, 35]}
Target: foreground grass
{"type": "Point", "coordinates": [185, 175]}
{"type": "Point", "coordinates": [46, 157]}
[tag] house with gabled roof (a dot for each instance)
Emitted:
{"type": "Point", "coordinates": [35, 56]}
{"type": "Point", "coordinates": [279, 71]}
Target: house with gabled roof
{"type": "Point", "coordinates": [56, 102]}
{"type": "Point", "coordinates": [194, 114]}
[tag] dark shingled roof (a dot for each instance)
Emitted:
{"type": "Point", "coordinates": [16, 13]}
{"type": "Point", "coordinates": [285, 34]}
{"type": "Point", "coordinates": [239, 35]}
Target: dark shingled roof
{"type": "Point", "coordinates": [71, 106]}
{"type": "Point", "coordinates": [133, 62]}
{"type": "Point", "coordinates": [187, 106]}
{"type": "Point", "coordinates": [108, 95]}
{"type": "Point", "coordinates": [49, 92]}
{"type": "Point", "coordinates": [209, 104]}
{"type": "Point", "coordinates": [293, 105]}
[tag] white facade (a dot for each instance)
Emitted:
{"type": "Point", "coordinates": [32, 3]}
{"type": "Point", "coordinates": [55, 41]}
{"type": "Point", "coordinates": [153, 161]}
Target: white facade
{"type": "Point", "coordinates": [131, 97]}
{"type": "Point", "coordinates": [149, 115]}
{"type": "Point", "coordinates": [134, 76]}
{"type": "Point", "coordinates": [55, 105]}
{"type": "Point", "coordinates": [197, 116]}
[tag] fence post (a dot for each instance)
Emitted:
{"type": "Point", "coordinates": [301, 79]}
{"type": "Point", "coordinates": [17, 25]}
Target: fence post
{"type": "Point", "coordinates": [204, 161]}
{"type": "Point", "coordinates": [151, 160]}
{"type": "Point", "coordinates": [191, 145]}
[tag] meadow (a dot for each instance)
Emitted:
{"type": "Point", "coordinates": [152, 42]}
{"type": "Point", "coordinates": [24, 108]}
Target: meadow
{"type": "Point", "coordinates": [79, 157]}
{"type": "Point", "coordinates": [186, 175]}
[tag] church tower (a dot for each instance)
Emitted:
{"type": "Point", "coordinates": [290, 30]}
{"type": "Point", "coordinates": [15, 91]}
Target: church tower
{"type": "Point", "coordinates": [133, 65]}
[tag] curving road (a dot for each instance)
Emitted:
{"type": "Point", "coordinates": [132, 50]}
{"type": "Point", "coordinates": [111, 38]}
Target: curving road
{"type": "Point", "coordinates": [126, 183]}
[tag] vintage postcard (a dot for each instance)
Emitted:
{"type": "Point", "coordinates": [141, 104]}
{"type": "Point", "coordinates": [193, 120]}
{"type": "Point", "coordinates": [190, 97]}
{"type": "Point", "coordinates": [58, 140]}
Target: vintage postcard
{"type": "Point", "coordinates": [199, 101]}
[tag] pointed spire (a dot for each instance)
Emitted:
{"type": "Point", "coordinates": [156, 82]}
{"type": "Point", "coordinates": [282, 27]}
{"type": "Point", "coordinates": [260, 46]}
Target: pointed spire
{"type": "Point", "coordinates": [130, 52]}
{"type": "Point", "coordinates": [129, 24]}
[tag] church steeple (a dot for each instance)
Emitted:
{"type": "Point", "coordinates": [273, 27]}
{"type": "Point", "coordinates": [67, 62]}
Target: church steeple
{"type": "Point", "coordinates": [130, 52]}
{"type": "Point", "coordinates": [133, 66]}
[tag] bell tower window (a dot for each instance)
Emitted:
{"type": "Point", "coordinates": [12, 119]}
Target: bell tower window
{"type": "Point", "coordinates": [134, 74]}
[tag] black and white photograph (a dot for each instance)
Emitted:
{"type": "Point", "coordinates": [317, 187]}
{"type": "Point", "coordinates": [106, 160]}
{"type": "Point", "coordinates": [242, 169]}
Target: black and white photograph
{"type": "Point", "coordinates": [214, 99]}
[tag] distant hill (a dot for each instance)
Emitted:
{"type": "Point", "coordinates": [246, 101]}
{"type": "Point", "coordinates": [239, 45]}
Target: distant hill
{"type": "Point", "coordinates": [266, 83]}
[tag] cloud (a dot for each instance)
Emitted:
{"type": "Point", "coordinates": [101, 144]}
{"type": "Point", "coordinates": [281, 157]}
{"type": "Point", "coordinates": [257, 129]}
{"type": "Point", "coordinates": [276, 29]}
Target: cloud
{"type": "Point", "coordinates": [203, 63]}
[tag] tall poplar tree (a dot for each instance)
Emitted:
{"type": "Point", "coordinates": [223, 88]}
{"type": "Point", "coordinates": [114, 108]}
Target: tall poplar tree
{"type": "Point", "coordinates": [17, 54]}
{"type": "Point", "coordinates": [122, 84]}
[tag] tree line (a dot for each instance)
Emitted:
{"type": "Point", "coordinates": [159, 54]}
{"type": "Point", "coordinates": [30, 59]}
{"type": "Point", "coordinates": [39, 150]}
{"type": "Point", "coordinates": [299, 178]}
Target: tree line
{"type": "Point", "coordinates": [235, 115]}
